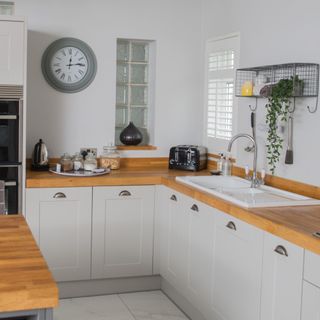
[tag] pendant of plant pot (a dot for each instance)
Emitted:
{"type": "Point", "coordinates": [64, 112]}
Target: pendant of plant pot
{"type": "Point", "coordinates": [131, 136]}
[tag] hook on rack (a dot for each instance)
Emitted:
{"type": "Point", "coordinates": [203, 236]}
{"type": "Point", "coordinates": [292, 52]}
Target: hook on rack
{"type": "Point", "coordinates": [253, 109]}
{"type": "Point", "coordinates": [294, 106]}
{"type": "Point", "coordinates": [316, 107]}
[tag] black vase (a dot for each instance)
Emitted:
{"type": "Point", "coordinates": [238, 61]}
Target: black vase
{"type": "Point", "coordinates": [131, 136]}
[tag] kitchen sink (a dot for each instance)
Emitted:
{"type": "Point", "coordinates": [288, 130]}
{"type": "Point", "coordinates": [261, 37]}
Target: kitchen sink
{"type": "Point", "coordinates": [239, 192]}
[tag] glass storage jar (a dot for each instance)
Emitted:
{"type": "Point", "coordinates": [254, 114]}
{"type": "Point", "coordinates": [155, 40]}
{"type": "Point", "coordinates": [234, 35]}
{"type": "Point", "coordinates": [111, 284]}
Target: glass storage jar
{"type": "Point", "coordinates": [77, 161]}
{"type": "Point", "coordinates": [66, 162]}
{"type": "Point", "coordinates": [90, 163]}
{"type": "Point", "coordinates": [110, 158]}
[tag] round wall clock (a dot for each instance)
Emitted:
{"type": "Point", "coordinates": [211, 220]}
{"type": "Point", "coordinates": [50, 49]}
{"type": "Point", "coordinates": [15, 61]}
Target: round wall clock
{"type": "Point", "coordinates": [69, 65]}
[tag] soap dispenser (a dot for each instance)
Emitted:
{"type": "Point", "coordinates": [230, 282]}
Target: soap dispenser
{"type": "Point", "coordinates": [227, 165]}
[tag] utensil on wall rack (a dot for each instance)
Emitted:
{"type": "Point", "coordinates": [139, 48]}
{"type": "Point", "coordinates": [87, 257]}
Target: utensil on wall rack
{"type": "Point", "coordinates": [289, 152]}
{"type": "Point", "coordinates": [250, 148]}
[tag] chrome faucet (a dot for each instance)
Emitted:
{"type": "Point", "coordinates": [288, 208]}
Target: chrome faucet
{"type": "Point", "coordinates": [255, 181]}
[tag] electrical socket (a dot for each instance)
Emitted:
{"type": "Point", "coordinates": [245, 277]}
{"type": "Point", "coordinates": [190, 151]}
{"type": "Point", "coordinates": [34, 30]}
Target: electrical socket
{"type": "Point", "coordinates": [89, 150]}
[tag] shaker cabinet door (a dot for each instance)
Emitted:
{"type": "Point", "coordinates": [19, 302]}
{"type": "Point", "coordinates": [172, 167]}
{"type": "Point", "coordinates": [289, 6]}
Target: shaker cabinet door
{"type": "Point", "coordinates": [237, 269]}
{"type": "Point", "coordinates": [281, 279]}
{"type": "Point", "coordinates": [186, 230]}
{"type": "Point", "coordinates": [174, 256]}
{"type": "Point", "coordinates": [60, 220]}
{"type": "Point", "coordinates": [12, 52]}
{"type": "Point", "coordinates": [122, 231]}
{"type": "Point", "coordinates": [310, 302]}
{"type": "Point", "coordinates": [200, 254]}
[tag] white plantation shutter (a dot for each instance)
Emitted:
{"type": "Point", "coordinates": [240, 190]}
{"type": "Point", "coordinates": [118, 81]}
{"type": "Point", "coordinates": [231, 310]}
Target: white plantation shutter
{"type": "Point", "coordinates": [220, 105]}
{"type": "Point", "coordinates": [222, 61]}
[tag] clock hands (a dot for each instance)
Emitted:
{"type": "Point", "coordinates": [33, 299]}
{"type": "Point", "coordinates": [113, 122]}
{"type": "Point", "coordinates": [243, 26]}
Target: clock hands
{"type": "Point", "coordinates": [69, 65]}
{"type": "Point", "coordinates": [75, 64]}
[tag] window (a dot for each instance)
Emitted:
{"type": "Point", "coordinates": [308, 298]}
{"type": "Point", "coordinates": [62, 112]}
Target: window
{"type": "Point", "coordinates": [133, 87]}
{"type": "Point", "coordinates": [221, 62]}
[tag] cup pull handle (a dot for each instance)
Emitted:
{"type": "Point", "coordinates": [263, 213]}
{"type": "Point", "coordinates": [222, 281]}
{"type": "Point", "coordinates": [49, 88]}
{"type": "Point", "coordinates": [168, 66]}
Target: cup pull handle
{"type": "Point", "coordinates": [281, 250]}
{"type": "Point", "coordinates": [173, 198]}
{"type": "Point", "coordinates": [59, 195]}
{"type": "Point", "coordinates": [124, 193]}
{"type": "Point", "coordinates": [195, 208]}
{"type": "Point", "coordinates": [231, 225]}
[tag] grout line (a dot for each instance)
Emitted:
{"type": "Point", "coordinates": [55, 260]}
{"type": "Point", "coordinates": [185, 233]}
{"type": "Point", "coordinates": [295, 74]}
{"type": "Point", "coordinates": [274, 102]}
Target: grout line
{"type": "Point", "coordinates": [127, 307]}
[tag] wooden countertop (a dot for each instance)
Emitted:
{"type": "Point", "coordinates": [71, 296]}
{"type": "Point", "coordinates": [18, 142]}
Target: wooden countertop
{"type": "Point", "coordinates": [25, 281]}
{"type": "Point", "coordinates": [295, 224]}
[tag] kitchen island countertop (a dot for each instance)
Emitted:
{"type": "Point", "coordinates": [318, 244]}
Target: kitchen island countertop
{"type": "Point", "coordinates": [25, 280]}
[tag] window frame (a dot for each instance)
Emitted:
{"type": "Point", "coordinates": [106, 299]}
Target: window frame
{"type": "Point", "coordinates": [222, 43]}
{"type": "Point", "coordinates": [149, 84]}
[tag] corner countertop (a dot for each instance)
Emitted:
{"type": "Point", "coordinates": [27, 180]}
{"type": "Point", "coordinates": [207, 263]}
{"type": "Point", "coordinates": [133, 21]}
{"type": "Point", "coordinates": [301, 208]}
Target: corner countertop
{"type": "Point", "coordinates": [294, 224]}
{"type": "Point", "coordinates": [25, 280]}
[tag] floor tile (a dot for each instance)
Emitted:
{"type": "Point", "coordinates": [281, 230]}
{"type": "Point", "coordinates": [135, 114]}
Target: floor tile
{"type": "Point", "coordinates": [92, 308]}
{"type": "Point", "coordinates": [153, 305]}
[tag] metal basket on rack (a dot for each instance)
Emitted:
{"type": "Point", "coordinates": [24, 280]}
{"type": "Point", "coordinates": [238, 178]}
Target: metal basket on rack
{"type": "Point", "coordinates": [304, 75]}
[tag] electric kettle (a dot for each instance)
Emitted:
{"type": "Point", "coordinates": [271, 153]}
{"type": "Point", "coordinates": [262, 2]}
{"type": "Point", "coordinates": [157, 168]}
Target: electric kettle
{"type": "Point", "coordinates": [40, 160]}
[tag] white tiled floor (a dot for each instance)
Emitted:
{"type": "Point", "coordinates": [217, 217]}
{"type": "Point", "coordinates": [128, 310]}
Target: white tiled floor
{"type": "Point", "coordinates": [153, 305]}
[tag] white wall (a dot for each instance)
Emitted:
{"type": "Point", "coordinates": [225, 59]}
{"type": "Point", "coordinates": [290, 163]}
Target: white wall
{"type": "Point", "coordinates": [273, 32]}
{"type": "Point", "coordinates": [67, 122]}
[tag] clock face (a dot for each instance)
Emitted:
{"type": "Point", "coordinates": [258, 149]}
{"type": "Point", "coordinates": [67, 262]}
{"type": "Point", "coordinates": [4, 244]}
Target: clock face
{"type": "Point", "coordinates": [69, 65]}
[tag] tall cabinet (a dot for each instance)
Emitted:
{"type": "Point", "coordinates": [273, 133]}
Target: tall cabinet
{"type": "Point", "coordinates": [13, 64]}
{"type": "Point", "coordinates": [12, 51]}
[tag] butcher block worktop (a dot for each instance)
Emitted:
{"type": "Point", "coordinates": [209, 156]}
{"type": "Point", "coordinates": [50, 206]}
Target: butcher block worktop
{"type": "Point", "coordinates": [295, 224]}
{"type": "Point", "coordinates": [25, 281]}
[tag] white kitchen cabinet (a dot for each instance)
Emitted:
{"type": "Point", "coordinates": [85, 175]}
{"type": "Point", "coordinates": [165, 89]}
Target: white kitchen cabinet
{"type": "Point", "coordinates": [174, 255]}
{"type": "Point", "coordinates": [12, 52]}
{"type": "Point", "coordinates": [186, 236]}
{"type": "Point", "coordinates": [200, 254]}
{"type": "Point", "coordinates": [281, 280]}
{"type": "Point", "coordinates": [161, 194]}
{"type": "Point", "coordinates": [60, 220]}
{"type": "Point", "coordinates": [237, 269]}
{"type": "Point", "coordinates": [310, 302]}
{"type": "Point", "coordinates": [312, 267]}
{"type": "Point", "coordinates": [122, 231]}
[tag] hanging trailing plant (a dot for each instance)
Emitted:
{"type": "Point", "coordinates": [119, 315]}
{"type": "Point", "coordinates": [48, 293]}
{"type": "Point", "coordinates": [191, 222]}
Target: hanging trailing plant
{"type": "Point", "coordinates": [278, 107]}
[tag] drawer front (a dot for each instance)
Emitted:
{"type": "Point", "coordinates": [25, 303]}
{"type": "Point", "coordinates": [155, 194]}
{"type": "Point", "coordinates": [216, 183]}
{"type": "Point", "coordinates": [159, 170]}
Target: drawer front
{"type": "Point", "coordinates": [312, 268]}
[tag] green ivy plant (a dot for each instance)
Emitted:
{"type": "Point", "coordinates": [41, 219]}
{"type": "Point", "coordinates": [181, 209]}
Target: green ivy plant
{"type": "Point", "coordinates": [278, 107]}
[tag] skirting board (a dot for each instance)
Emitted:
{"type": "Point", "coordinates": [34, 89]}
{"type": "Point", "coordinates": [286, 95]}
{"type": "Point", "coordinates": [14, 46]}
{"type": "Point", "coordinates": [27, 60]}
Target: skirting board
{"type": "Point", "coordinates": [192, 312]}
{"type": "Point", "coordinates": [86, 288]}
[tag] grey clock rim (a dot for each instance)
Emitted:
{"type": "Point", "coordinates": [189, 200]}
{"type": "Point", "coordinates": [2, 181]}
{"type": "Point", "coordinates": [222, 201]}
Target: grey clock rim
{"type": "Point", "coordinates": [69, 42]}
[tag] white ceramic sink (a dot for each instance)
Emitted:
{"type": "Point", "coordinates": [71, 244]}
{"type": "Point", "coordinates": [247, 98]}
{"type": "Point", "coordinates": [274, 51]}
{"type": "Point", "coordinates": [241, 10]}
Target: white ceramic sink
{"type": "Point", "coordinates": [238, 191]}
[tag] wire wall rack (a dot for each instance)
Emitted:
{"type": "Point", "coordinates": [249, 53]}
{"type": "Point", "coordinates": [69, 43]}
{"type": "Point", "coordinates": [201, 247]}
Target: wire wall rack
{"type": "Point", "coordinates": [305, 77]}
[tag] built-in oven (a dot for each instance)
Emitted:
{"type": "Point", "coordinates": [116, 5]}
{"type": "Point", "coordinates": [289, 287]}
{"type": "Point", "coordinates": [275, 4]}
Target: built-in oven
{"type": "Point", "coordinates": [10, 131]}
{"type": "Point", "coordinates": [11, 175]}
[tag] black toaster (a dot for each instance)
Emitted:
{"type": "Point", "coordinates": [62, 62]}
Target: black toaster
{"type": "Point", "coordinates": [188, 157]}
